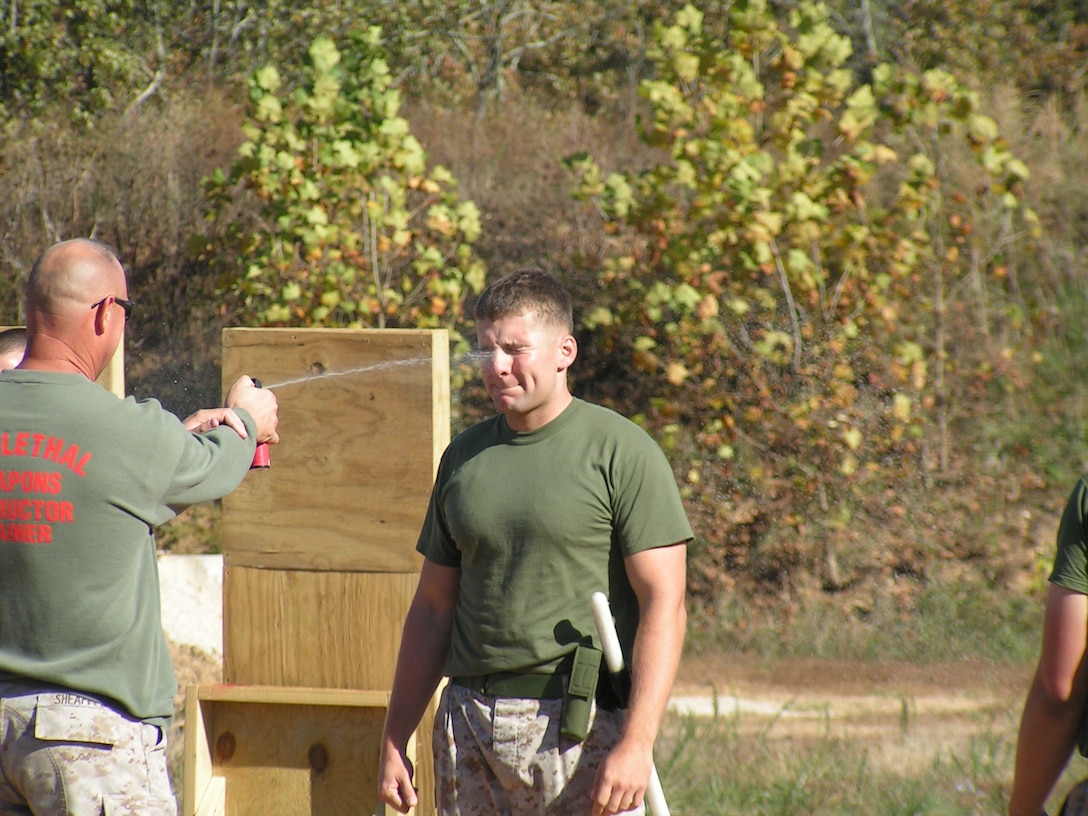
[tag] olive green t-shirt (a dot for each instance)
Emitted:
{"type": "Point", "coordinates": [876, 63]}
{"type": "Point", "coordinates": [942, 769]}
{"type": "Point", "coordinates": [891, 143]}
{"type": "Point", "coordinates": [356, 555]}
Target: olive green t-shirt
{"type": "Point", "coordinates": [537, 522]}
{"type": "Point", "coordinates": [1071, 561]}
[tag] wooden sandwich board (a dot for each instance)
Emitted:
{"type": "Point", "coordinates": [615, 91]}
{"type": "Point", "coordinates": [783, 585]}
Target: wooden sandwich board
{"type": "Point", "coordinates": [319, 549]}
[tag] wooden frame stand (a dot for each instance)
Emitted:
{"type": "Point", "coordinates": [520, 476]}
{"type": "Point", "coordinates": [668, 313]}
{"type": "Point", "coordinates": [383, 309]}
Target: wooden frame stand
{"type": "Point", "coordinates": [260, 750]}
{"type": "Point", "coordinates": [320, 568]}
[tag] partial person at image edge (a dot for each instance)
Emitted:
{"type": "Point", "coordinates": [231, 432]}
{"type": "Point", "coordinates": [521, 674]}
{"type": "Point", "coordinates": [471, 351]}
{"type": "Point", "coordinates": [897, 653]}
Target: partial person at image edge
{"type": "Point", "coordinates": [86, 680]}
{"type": "Point", "coordinates": [1054, 712]}
{"type": "Point", "coordinates": [12, 347]}
{"type": "Point", "coordinates": [532, 511]}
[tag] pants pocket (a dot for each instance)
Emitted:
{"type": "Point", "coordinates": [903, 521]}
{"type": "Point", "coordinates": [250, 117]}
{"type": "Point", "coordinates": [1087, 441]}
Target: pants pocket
{"type": "Point", "coordinates": [82, 723]}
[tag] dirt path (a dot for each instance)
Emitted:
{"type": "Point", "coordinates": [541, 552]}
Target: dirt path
{"type": "Point", "coordinates": [904, 714]}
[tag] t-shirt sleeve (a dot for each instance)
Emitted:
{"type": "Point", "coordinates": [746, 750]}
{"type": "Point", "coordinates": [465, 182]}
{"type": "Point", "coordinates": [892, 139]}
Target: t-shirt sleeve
{"type": "Point", "coordinates": [435, 542]}
{"type": "Point", "coordinates": [1071, 562]}
{"type": "Point", "coordinates": [648, 509]}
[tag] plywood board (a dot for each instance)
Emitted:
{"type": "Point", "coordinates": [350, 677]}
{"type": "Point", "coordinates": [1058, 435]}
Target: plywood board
{"type": "Point", "coordinates": [287, 751]}
{"type": "Point", "coordinates": [324, 630]}
{"type": "Point", "coordinates": [364, 419]}
{"type": "Point", "coordinates": [112, 377]}
{"type": "Point", "coordinates": [321, 629]}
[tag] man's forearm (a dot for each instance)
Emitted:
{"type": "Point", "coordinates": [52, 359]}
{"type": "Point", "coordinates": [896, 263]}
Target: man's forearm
{"type": "Point", "coordinates": [419, 670]}
{"type": "Point", "coordinates": [659, 643]}
{"type": "Point", "coordinates": [1047, 734]}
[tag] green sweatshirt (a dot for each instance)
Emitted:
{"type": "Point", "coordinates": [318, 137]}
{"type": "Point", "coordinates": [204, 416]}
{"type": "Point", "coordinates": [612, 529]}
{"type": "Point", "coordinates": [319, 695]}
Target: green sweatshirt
{"type": "Point", "coordinates": [84, 477]}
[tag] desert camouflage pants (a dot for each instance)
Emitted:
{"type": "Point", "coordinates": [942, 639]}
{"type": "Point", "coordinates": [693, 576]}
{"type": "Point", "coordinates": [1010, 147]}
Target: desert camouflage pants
{"type": "Point", "coordinates": [62, 754]}
{"type": "Point", "coordinates": [1076, 801]}
{"type": "Point", "coordinates": [505, 757]}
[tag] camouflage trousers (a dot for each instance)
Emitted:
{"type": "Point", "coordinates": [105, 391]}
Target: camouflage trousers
{"type": "Point", "coordinates": [497, 756]}
{"type": "Point", "coordinates": [63, 754]}
{"type": "Point", "coordinates": [1076, 801]}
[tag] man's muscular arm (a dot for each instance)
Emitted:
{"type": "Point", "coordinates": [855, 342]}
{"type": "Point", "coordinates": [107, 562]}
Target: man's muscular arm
{"type": "Point", "coordinates": [658, 579]}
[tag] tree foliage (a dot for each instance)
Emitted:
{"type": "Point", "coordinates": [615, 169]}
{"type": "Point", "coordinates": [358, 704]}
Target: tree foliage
{"type": "Point", "coordinates": [828, 294]}
{"type": "Point", "coordinates": [330, 206]}
{"type": "Point", "coordinates": [762, 277]}
{"type": "Point", "coordinates": [83, 55]}
{"type": "Point", "coordinates": [1038, 46]}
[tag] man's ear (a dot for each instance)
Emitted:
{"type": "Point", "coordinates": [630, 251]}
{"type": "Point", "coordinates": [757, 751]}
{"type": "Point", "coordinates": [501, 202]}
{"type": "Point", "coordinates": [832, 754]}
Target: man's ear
{"type": "Point", "coordinates": [568, 352]}
{"type": "Point", "coordinates": [102, 317]}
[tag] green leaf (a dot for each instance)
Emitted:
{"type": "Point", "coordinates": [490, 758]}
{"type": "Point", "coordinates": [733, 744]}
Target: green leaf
{"type": "Point", "coordinates": [686, 66]}
{"type": "Point", "coordinates": [981, 129]}
{"type": "Point", "coordinates": [267, 79]}
{"type": "Point", "coordinates": [468, 221]}
{"type": "Point", "coordinates": [674, 37]}
{"type": "Point", "coordinates": [598, 316]}
{"type": "Point", "coordinates": [690, 18]}
{"type": "Point", "coordinates": [269, 110]}
{"type": "Point", "coordinates": [619, 194]}
{"type": "Point", "coordinates": [324, 55]}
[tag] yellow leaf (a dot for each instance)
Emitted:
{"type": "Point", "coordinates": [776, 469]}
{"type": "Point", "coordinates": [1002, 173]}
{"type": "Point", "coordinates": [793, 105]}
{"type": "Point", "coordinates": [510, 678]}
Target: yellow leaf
{"type": "Point", "coordinates": [687, 66]}
{"type": "Point", "coordinates": [707, 308]}
{"type": "Point", "coordinates": [884, 154]}
{"type": "Point", "coordinates": [849, 465]}
{"type": "Point", "coordinates": [918, 374]}
{"type": "Point", "coordinates": [852, 438]}
{"type": "Point", "coordinates": [676, 373]}
{"type": "Point", "coordinates": [901, 407]}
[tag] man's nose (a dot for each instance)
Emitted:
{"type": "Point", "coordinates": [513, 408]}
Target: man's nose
{"type": "Point", "coordinates": [496, 362]}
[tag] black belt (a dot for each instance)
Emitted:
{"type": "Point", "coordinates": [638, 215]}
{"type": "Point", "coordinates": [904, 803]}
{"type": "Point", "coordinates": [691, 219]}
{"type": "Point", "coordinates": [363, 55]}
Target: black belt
{"type": "Point", "coordinates": [532, 686]}
{"type": "Point", "coordinates": [512, 684]}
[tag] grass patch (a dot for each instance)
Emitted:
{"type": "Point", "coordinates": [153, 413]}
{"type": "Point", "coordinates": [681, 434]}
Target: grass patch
{"type": "Point", "coordinates": [942, 622]}
{"type": "Point", "coordinates": [725, 765]}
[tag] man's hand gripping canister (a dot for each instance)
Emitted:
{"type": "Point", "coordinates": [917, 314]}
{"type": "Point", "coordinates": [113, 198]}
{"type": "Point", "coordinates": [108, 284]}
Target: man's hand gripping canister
{"type": "Point", "coordinates": [617, 671]}
{"type": "Point", "coordinates": [261, 456]}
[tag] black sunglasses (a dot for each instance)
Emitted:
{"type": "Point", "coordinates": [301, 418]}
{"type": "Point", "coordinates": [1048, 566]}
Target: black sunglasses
{"type": "Point", "coordinates": [127, 305]}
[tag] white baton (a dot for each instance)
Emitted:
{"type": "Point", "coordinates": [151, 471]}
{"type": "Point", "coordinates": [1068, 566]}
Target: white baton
{"type": "Point", "coordinates": [613, 658]}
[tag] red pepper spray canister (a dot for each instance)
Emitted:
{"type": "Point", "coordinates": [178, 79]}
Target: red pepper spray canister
{"type": "Point", "coordinates": [261, 457]}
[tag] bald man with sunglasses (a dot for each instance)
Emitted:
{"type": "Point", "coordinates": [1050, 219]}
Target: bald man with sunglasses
{"type": "Point", "coordinates": [86, 681]}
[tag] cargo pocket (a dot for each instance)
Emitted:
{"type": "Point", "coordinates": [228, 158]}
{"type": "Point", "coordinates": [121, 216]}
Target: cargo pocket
{"type": "Point", "coordinates": [91, 724]}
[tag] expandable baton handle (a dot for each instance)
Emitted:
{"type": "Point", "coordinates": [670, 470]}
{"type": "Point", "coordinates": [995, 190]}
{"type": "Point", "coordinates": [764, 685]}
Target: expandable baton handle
{"type": "Point", "coordinates": [621, 680]}
{"type": "Point", "coordinates": [610, 645]}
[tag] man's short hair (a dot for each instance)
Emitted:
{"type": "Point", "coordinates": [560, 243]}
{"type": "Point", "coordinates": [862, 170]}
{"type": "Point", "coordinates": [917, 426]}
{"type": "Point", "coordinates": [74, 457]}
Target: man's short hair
{"type": "Point", "coordinates": [12, 340]}
{"type": "Point", "coordinates": [527, 290]}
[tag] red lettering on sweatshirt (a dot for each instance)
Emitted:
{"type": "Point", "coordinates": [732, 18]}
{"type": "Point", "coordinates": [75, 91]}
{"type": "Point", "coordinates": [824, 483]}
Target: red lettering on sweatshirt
{"type": "Point", "coordinates": [36, 510]}
{"type": "Point", "coordinates": [41, 446]}
{"type": "Point", "coordinates": [31, 481]}
{"type": "Point", "coordinates": [26, 533]}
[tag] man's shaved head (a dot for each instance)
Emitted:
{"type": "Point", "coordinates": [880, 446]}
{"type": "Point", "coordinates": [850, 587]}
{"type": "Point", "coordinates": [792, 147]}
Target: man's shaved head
{"type": "Point", "coordinates": [74, 319]}
{"type": "Point", "coordinates": [73, 274]}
